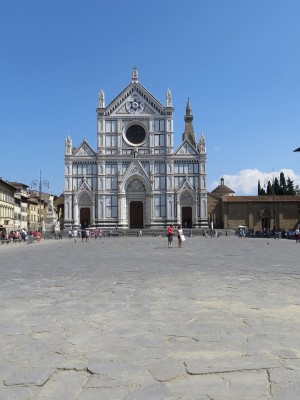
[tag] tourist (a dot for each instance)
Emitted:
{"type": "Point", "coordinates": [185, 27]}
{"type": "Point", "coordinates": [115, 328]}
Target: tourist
{"type": "Point", "coordinates": [75, 234]}
{"type": "Point", "coordinates": [83, 234]}
{"type": "Point", "coordinates": [170, 234]}
{"type": "Point", "coordinates": [179, 235]}
{"type": "Point", "coordinates": [297, 235]}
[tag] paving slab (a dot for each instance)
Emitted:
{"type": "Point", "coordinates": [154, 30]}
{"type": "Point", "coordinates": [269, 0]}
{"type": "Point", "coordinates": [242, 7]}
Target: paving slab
{"type": "Point", "coordinates": [130, 319]}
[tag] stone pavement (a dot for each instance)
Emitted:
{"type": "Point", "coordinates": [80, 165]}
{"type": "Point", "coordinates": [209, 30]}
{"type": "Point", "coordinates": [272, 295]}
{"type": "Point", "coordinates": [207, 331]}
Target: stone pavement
{"type": "Point", "coordinates": [129, 319]}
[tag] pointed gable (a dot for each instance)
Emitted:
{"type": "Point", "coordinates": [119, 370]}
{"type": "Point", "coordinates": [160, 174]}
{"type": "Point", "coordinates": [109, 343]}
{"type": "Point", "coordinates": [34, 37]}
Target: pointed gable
{"type": "Point", "coordinates": [136, 169]}
{"type": "Point", "coordinates": [84, 186]}
{"type": "Point", "coordinates": [186, 148]}
{"type": "Point", "coordinates": [84, 150]}
{"type": "Point", "coordinates": [134, 100]}
{"type": "Point", "coordinates": [185, 185]}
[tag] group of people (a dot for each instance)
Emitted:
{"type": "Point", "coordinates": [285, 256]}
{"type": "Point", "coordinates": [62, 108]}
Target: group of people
{"type": "Point", "coordinates": [85, 234]}
{"type": "Point", "coordinates": [171, 233]}
{"type": "Point", "coordinates": [20, 235]}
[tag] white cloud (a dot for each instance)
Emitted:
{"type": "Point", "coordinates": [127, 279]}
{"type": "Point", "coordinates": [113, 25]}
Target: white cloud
{"type": "Point", "coordinates": [246, 180]}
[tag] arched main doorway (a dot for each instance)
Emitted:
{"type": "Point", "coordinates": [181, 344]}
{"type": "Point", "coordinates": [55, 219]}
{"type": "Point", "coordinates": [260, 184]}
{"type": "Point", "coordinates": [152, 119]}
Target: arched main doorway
{"type": "Point", "coordinates": [136, 215]}
{"type": "Point", "coordinates": [136, 195]}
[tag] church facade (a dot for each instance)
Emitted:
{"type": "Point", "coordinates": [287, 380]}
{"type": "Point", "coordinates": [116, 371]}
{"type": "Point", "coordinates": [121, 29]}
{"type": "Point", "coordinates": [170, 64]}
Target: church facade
{"type": "Point", "coordinates": [135, 179]}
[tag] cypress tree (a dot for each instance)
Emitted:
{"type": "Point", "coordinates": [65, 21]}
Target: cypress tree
{"type": "Point", "coordinates": [269, 188]}
{"type": "Point", "coordinates": [276, 186]}
{"type": "Point", "coordinates": [290, 190]}
{"type": "Point", "coordinates": [282, 184]}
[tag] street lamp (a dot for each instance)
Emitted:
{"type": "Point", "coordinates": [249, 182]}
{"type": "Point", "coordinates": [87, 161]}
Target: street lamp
{"type": "Point", "coordinates": [272, 181]}
{"type": "Point", "coordinates": [40, 184]}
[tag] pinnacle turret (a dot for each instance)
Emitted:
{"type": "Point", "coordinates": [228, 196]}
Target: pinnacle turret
{"type": "Point", "coordinates": [189, 133]}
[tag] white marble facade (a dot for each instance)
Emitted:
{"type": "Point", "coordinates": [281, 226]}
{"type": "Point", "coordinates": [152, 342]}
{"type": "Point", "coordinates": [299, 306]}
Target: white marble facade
{"type": "Point", "coordinates": [135, 178]}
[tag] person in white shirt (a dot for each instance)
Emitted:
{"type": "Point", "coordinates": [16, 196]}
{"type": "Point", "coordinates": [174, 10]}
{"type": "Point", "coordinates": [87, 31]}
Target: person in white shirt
{"type": "Point", "coordinates": [179, 235]}
{"type": "Point", "coordinates": [75, 234]}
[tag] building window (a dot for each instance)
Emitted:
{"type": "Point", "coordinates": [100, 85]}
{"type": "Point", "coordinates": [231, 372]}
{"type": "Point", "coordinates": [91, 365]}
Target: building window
{"type": "Point", "coordinates": [186, 168]}
{"type": "Point", "coordinates": [111, 141]}
{"type": "Point", "coordinates": [146, 166]}
{"type": "Point", "coordinates": [74, 169]}
{"type": "Point", "coordinates": [194, 181]}
{"type": "Point", "coordinates": [160, 206]}
{"type": "Point", "coordinates": [159, 125]}
{"type": "Point", "coordinates": [92, 182]}
{"type": "Point", "coordinates": [111, 169]}
{"type": "Point", "coordinates": [111, 126]}
{"type": "Point", "coordinates": [111, 205]}
{"type": "Point", "coordinates": [159, 168]}
{"type": "Point", "coordinates": [160, 182]}
{"type": "Point", "coordinates": [178, 181]}
{"type": "Point", "coordinates": [135, 134]}
{"type": "Point", "coordinates": [159, 140]}
{"type": "Point", "coordinates": [111, 183]}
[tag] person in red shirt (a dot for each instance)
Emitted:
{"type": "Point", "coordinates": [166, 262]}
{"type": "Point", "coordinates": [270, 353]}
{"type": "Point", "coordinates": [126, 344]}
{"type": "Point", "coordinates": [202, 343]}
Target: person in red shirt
{"type": "Point", "coordinates": [170, 235]}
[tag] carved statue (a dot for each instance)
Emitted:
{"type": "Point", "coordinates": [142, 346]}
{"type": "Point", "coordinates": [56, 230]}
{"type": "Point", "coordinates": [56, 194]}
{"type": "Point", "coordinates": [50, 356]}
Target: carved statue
{"type": "Point", "coordinates": [50, 203]}
{"type": "Point", "coordinates": [68, 148]}
{"type": "Point", "coordinates": [101, 99]}
{"type": "Point", "coordinates": [169, 98]}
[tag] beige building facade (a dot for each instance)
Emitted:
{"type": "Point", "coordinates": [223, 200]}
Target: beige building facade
{"type": "Point", "coordinates": [225, 210]}
{"type": "Point", "coordinates": [7, 205]}
{"type": "Point", "coordinates": [261, 212]}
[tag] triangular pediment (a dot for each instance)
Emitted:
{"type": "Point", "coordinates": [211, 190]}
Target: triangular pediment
{"type": "Point", "coordinates": [84, 186]}
{"type": "Point", "coordinates": [186, 148]}
{"type": "Point", "coordinates": [135, 100]}
{"type": "Point", "coordinates": [136, 170]}
{"type": "Point", "coordinates": [185, 185]}
{"type": "Point", "coordinates": [84, 150]}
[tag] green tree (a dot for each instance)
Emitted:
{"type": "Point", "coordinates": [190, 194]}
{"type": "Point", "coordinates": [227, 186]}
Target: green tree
{"type": "Point", "coordinates": [290, 190]}
{"type": "Point", "coordinates": [282, 184]}
{"type": "Point", "coordinates": [269, 188]}
{"type": "Point", "coordinates": [276, 186]}
{"type": "Point", "coordinates": [260, 190]}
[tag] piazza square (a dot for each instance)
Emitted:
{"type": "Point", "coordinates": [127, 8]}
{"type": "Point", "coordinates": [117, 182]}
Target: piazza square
{"type": "Point", "coordinates": [128, 318]}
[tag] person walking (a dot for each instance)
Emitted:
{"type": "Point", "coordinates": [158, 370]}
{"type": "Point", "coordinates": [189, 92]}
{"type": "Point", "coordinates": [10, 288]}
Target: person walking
{"type": "Point", "coordinates": [179, 235]}
{"type": "Point", "coordinates": [75, 234]}
{"type": "Point", "coordinates": [170, 234]}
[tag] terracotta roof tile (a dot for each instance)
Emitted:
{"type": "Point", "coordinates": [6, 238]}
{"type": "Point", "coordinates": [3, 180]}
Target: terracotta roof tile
{"type": "Point", "coordinates": [263, 198]}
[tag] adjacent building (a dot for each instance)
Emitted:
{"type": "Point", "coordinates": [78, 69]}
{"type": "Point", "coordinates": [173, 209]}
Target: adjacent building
{"type": "Point", "coordinates": [135, 178]}
{"type": "Point", "coordinates": [7, 205]}
{"type": "Point", "coordinates": [228, 211]}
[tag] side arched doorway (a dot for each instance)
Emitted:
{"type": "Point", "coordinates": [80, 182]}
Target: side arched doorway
{"type": "Point", "coordinates": [85, 207]}
{"type": "Point", "coordinates": [187, 203]}
{"type": "Point", "coordinates": [85, 217]}
{"type": "Point", "coordinates": [187, 217]}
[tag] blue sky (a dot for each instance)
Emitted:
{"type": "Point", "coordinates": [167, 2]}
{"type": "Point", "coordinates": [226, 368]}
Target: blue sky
{"type": "Point", "coordinates": [237, 60]}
